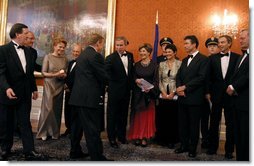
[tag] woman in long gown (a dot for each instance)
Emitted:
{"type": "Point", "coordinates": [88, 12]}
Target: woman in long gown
{"type": "Point", "coordinates": [54, 71]}
{"type": "Point", "coordinates": [142, 125]}
{"type": "Point", "coordinates": [167, 132]}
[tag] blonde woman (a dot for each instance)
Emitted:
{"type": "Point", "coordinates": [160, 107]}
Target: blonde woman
{"type": "Point", "coordinates": [54, 71]}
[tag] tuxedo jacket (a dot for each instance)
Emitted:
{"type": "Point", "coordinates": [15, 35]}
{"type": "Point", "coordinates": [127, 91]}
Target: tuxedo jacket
{"type": "Point", "coordinates": [193, 77]}
{"type": "Point", "coordinates": [240, 82]}
{"type": "Point", "coordinates": [69, 80]}
{"type": "Point", "coordinates": [119, 83]}
{"type": "Point", "coordinates": [37, 67]}
{"type": "Point", "coordinates": [217, 85]}
{"type": "Point", "coordinates": [13, 76]}
{"type": "Point", "coordinates": [90, 77]}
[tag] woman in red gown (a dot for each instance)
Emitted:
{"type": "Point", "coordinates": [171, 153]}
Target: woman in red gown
{"type": "Point", "coordinates": [142, 125]}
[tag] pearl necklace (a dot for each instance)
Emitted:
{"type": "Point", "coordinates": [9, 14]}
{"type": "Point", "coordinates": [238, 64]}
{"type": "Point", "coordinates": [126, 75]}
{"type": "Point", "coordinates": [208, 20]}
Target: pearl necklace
{"type": "Point", "coordinates": [145, 64]}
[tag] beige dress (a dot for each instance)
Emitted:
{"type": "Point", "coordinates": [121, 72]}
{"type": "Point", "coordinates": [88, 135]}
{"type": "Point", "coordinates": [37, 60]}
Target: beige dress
{"type": "Point", "coordinates": [52, 100]}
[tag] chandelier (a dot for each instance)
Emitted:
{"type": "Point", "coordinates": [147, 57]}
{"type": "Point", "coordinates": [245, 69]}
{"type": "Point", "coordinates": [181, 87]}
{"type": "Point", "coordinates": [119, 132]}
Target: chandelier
{"type": "Point", "coordinates": [226, 25]}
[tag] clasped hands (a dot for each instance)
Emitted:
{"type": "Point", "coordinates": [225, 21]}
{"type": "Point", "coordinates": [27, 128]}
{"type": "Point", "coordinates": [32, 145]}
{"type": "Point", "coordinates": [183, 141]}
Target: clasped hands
{"type": "Point", "coordinates": [180, 90]}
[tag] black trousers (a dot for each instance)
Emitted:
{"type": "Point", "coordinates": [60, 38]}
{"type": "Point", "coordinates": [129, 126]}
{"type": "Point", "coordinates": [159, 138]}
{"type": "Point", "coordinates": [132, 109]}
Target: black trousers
{"type": "Point", "coordinates": [67, 111]}
{"type": "Point", "coordinates": [91, 123]}
{"type": "Point", "coordinates": [7, 114]}
{"type": "Point", "coordinates": [76, 133]}
{"type": "Point", "coordinates": [205, 114]}
{"type": "Point", "coordinates": [241, 121]}
{"type": "Point", "coordinates": [117, 115]}
{"type": "Point", "coordinates": [215, 120]}
{"type": "Point", "coordinates": [167, 122]}
{"type": "Point", "coordinates": [189, 123]}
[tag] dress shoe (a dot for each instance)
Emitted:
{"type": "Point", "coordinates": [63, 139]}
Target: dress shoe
{"type": "Point", "coordinates": [171, 146]}
{"type": "Point", "coordinates": [192, 154]}
{"type": "Point", "coordinates": [44, 138]}
{"type": "Point", "coordinates": [181, 150]}
{"type": "Point", "coordinates": [113, 144]}
{"type": "Point", "coordinates": [204, 145]}
{"type": "Point", "coordinates": [229, 156]}
{"type": "Point", "coordinates": [211, 152]}
{"type": "Point", "coordinates": [123, 141]}
{"type": "Point", "coordinates": [66, 133]}
{"type": "Point", "coordinates": [5, 155]}
{"type": "Point", "coordinates": [32, 154]}
{"type": "Point", "coordinates": [78, 155]}
{"type": "Point", "coordinates": [137, 142]}
{"type": "Point", "coordinates": [143, 143]}
{"type": "Point", "coordinates": [103, 158]}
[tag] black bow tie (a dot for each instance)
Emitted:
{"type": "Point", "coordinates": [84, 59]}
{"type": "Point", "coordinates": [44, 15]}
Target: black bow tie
{"type": "Point", "coordinates": [190, 56]}
{"type": "Point", "coordinates": [124, 54]}
{"type": "Point", "coordinates": [22, 47]}
{"type": "Point", "coordinates": [244, 52]}
{"type": "Point", "coordinates": [222, 55]}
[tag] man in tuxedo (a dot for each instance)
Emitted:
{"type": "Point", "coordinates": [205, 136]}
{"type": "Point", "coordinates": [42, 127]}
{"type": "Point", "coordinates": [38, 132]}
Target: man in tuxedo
{"type": "Point", "coordinates": [87, 94]}
{"type": "Point", "coordinates": [17, 88]}
{"type": "Point", "coordinates": [220, 70]}
{"type": "Point", "coordinates": [190, 83]}
{"type": "Point", "coordinates": [69, 80]}
{"type": "Point", "coordinates": [29, 43]}
{"type": "Point", "coordinates": [119, 68]}
{"type": "Point", "coordinates": [239, 90]}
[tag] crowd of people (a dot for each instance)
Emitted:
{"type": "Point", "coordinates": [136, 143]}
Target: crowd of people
{"type": "Point", "coordinates": [170, 100]}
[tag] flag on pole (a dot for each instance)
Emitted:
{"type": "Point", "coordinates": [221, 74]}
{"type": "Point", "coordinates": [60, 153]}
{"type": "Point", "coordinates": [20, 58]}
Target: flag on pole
{"type": "Point", "coordinates": [156, 39]}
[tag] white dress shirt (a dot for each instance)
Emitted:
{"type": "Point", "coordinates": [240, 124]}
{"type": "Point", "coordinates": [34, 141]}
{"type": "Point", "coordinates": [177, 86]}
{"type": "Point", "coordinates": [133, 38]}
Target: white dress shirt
{"type": "Point", "coordinates": [21, 55]}
{"type": "Point", "coordinates": [224, 64]}
{"type": "Point", "coordinates": [190, 59]}
{"type": "Point", "coordinates": [125, 62]}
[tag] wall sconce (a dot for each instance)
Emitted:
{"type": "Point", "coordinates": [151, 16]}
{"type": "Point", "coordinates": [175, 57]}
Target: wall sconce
{"type": "Point", "coordinates": [226, 25]}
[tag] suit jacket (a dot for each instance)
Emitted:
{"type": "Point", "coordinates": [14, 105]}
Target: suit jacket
{"type": "Point", "coordinates": [193, 77]}
{"type": "Point", "coordinates": [90, 77]}
{"type": "Point", "coordinates": [37, 67]}
{"type": "Point", "coordinates": [240, 82]}
{"type": "Point", "coordinates": [13, 76]}
{"type": "Point", "coordinates": [217, 85]}
{"type": "Point", "coordinates": [119, 83]}
{"type": "Point", "coordinates": [69, 80]}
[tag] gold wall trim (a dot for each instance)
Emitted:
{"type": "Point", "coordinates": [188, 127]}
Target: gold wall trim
{"type": "Point", "coordinates": [110, 35]}
{"type": "Point", "coordinates": [3, 20]}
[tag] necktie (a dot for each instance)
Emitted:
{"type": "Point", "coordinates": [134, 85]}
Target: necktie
{"type": "Point", "coordinates": [190, 56]}
{"type": "Point", "coordinates": [222, 55]}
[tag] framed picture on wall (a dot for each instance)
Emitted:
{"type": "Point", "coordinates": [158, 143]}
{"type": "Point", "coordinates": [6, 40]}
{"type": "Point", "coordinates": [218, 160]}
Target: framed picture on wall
{"type": "Point", "coordinates": [72, 19]}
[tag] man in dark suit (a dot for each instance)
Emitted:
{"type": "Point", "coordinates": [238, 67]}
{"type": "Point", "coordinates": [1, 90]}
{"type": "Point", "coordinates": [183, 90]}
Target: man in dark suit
{"type": "Point", "coordinates": [87, 94]}
{"type": "Point", "coordinates": [119, 68]}
{"type": "Point", "coordinates": [29, 43]}
{"type": "Point", "coordinates": [71, 118]}
{"type": "Point", "coordinates": [239, 90]}
{"type": "Point", "coordinates": [190, 83]}
{"type": "Point", "coordinates": [220, 70]}
{"type": "Point", "coordinates": [212, 47]}
{"type": "Point", "coordinates": [69, 80]}
{"type": "Point", "coordinates": [16, 90]}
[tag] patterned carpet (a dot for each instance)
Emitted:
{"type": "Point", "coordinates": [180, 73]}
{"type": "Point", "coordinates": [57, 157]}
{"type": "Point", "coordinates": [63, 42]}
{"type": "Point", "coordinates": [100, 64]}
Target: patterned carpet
{"type": "Point", "coordinates": [58, 150]}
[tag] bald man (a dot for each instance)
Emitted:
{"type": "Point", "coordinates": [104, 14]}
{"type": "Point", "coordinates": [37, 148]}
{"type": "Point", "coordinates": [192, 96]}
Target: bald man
{"type": "Point", "coordinates": [29, 43]}
{"type": "Point", "coordinates": [76, 51]}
